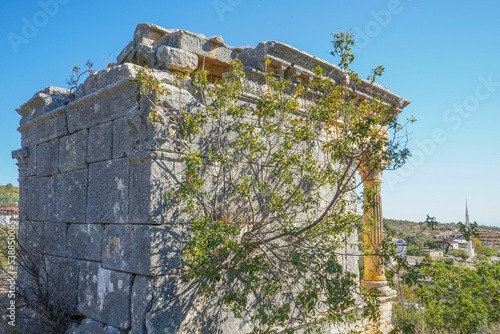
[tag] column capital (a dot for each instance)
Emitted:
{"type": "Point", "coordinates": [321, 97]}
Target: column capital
{"type": "Point", "coordinates": [369, 174]}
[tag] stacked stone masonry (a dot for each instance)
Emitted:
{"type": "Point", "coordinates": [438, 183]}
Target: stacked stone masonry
{"type": "Point", "coordinates": [93, 171]}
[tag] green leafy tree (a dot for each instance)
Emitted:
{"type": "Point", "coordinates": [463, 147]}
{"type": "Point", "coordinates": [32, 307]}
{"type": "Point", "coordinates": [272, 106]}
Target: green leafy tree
{"type": "Point", "coordinates": [268, 189]}
{"type": "Point", "coordinates": [461, 298]}
{"type": "Point", "coordinates": [9, 195]}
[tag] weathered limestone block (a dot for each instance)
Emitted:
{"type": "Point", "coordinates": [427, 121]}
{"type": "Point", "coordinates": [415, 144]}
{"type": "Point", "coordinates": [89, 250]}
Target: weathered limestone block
{"type": "Point", "coordinates": [85, 241]}
{"type": "Point", "coordinates": [42, 117]}
{"type": "Point", "coordinates": [109, 103]}
{"type": "Point", "coordinates": [94, 327]}
{"type": "Point", "coordinates": [122, 141]}
{"type": "Point", "coordinates": [111, 75]}
{"type": "Point", "coordinates": [63, 281]}
{"type": "Point", "coordinates": [146, 56]}
{"type": "Point", "coordinates": [200, 45]}
{"type": "Point", "coordinates": [104, 295]}
{"type": "Point", "coordinates": [87, 326]}
{"type": "Point", "coordinates": [38, 198]}
{"type": "Point", "coordinates": [23, 197]}
{"type": "Point", "coordinates": [117, 100]}
{"type": "Point", "coordinates": [100, 143]}
{"type": "Point", "coordinates": [159, 303]}
{"type": "Point", "coordinates": [176, 59]}
{"type": "Point", "coordinates": [47, 158]}
{"type": "Point", "coordinates": [43, 238]}
{"type": "Point", "coordinates": [148, 33]}
{"type": "Point", "coordinates": [150, 178]}
{"type": "Point", "coordinates": [73, 151]}
{"type": "Point", "coordinates": [168, 304]}
{"type": "Point", "coordinates": [143, 249]}
{"type": "Point", "coordinates": [31, 171]}
{"type": "Point", "coordinates": [70, 197]}
{"type": "Point", "coordinates": [43, 102]}
{"type": "Point", "coordinates": [113, 330]}
{"type": "Point", "coordinates": [108, 184]}
{"type": "Point", "coordinates": [83, 113]}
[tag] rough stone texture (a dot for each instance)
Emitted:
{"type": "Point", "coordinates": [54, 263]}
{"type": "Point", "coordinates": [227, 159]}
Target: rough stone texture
{"type": "Point", "coordinates": [122, 142]}
{"type": "Point", "coordinates": [176, 59]}
{"type": "Point", "coordinates": [108, 103]}
{"type": "Point", "coordinates": [43, 238]}
{"type": "Point", "coordinates": [70, 197]}
{"type": "Point", "coordinates": [42, 117]}
{"type": "Point", "coordinates": [63, 282]}
{"type": "Point", "coordinates": [200, 45]}
{"type": "Point", "coordinates": [146, 56]}
{"type": "Point", "coordinates": [47, 158]}
{"type": "Point", "coordinates": [87, 326]}
{"type": "Point", "coordinates": [150, 178]}
{"type": "Point", "coordinates": [108, 77]}
{"type": "Point", "coordinates": [104, 295]}
{"type": "Point", "coordinates": [144, 250]}
{"type": "Point", "coordinates": [73, 151]}
{"type": "Point", "coordinates": [100, 143]}
{"type": "Point", "coordinates": [31, 161]}
{"type": "Point", "coordinates": [94, 327]}
{"type": "Point", "coordinates": [147, 33]}
{"type": "Point", "coordinates": [167, 304]}
{"type": "Point", "coordinates": [108, 192]}
{"type": "Point", "coordinates": [38, 198]}
{"type": "Point", "coordinates": [85, 241]}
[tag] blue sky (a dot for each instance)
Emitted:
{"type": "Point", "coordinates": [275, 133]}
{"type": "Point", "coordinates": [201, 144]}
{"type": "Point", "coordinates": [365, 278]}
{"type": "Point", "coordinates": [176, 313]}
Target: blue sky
{"type": "Point", "coordinates": [442, 55]}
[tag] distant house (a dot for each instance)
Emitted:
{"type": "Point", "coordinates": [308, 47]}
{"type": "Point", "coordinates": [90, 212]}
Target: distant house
{"type": "Point", "coordinates": [455, 235]}
{"type": "Point", "coordinates": [434, 253]}
{"type": "Point", "coordinates": [9, 211]}
{"type": "Point", "coordinates": [451, 245]}
{"type": "Point", "coordinates": [461, 243]}
{"type": "Point", "coordinates": [401, 247]}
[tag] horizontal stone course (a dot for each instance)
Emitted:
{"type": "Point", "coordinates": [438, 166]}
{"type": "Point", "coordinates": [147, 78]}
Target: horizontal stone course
{"type": "Point", "coordinates": [109, 103]}
{"type": "Point", "coordinates": [47, 126]}
{"type": "Point", "coordinates": [43, 238]}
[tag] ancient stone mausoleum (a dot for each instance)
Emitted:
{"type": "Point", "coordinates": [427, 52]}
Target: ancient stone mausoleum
{"type": "Point", "coordinates": [93, 172]}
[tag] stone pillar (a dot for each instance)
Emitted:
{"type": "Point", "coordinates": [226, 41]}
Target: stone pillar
{"type": "Point", "coordinates": [373, 269]}
{"type": "Point", "coordinates": [374, 276]}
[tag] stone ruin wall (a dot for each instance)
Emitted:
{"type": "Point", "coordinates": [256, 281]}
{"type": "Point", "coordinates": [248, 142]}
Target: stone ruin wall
{"type": "Point", "coordinates": [92, 172]}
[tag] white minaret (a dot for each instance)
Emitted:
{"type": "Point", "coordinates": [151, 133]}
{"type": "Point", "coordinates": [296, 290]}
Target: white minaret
{"type": "Point", "coordinates": [470, 250]}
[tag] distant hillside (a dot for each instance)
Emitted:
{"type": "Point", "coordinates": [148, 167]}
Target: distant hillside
{"type": "Point", "coordinates": [489, 235]}
{"type": "Point", "coordinates": [9, 195]}
{"type": "Point", "coordinates": [398, 226]}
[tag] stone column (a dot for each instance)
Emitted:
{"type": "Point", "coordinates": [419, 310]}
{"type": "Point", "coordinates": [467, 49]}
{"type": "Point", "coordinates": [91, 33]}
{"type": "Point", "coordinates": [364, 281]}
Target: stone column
{"type": "Point", "coordinates": [374, 276]}
{"type": "Point", "coordinates": [374, 271]}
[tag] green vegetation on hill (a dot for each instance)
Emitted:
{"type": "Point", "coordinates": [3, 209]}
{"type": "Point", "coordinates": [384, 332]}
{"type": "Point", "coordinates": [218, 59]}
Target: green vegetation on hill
{"type": "Point", "coordinates": [9, 195]}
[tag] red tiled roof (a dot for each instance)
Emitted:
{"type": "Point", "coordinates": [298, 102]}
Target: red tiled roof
{"type": "Point", "coordinates": [10, 208]}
